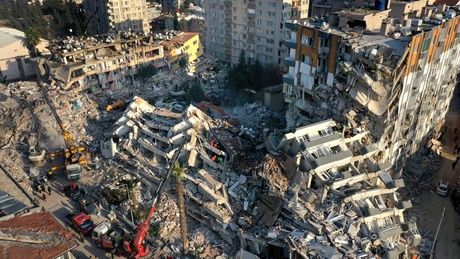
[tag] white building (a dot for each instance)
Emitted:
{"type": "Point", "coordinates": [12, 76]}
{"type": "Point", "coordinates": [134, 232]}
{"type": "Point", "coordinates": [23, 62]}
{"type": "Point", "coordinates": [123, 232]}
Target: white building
{"type": "Point", "coordinates": [257, 27]}
{"type": "Point", "coordinates": [14, 55]}
{"type": "Point", "coordinates": [119, 15]}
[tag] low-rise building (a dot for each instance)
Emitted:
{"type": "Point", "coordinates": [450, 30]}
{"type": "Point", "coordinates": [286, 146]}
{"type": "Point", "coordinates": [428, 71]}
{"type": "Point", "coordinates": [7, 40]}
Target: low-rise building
{"type": "Point", "coordinates": [109, 63]}
{"type": "Point", "coordinates": [37, 235]}
{"type": "Point", "coordinates": [15, 55]}
{"type": "Point", "coordinates": [185, 45]}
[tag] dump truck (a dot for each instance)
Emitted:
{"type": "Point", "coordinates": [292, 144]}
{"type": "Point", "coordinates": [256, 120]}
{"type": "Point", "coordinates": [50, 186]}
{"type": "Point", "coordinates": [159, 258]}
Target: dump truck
{"type": "Point", "coordinates": [106, 236]}
{"type": "Point", "coordinates": [81, 222]}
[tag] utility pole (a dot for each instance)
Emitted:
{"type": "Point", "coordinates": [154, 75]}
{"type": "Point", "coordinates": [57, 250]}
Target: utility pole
{"type": "Point", "coordinates": [437, 232]}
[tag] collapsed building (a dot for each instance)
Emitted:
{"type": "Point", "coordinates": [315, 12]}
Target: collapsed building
{"type": "Point", "coordinates": [376, 71]}
{"type": "Point", "coordinates": [150, 135]}
{"type": "Point", "coordinates": [319, 191]}
{"type": "Point", "coordinates": [335, 200]}
{"type": "Point", "coordinates": [102, 64]}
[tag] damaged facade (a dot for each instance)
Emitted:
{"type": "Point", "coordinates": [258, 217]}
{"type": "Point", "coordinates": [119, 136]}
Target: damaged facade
{"type": "Point", "coordinates": [395, 82]}
{"type": "Point", "coordinates": [109, 63]}
{"type": "Point", "coordinates": [149, 136]}
{"type": "Point", "coordinates": [329, 199]}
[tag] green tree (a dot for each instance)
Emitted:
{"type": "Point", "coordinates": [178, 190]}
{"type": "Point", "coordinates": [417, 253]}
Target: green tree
{"type": "Point", "coordinates": [196, 93]}
{"type": "Point", "coordinates": [272, 75]}
{"type": "Point", "coordinates": [179, 173]}
{"type": "Point", "coordinates": [183, 25]}
{"type": "Point", "coordinates": [33, 39]}
{"type": "Point", "coordinates": [183, 62]}
{"type": "Point", "coordinates": [144, 72]}
{"type": "Point", "coordinates": [176, 22]}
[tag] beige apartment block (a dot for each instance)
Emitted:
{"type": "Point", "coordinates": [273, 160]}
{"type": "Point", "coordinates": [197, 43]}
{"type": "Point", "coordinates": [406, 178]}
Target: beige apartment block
{"type": "Point", "coordinates": [98, 65]}
{"type": "Point", "coordinates": [299, 9]}
{"type": "Point", "coordinates": [15, 55]}
{"type": "Point", "coordinates": [117, 15]}
{"type": "Point", "coordinates": [257, 27]}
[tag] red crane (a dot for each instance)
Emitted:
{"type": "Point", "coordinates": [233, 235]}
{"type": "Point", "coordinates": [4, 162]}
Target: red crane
{"type": "Point", "coordinates": [137, 247]}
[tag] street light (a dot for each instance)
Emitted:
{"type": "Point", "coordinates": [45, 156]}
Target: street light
{"type": "Point", "coordinates": [130, 209]}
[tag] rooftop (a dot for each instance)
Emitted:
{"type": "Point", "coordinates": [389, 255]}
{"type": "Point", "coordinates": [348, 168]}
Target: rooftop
{"type": "Point", "coordinates": [9, 36]}
{"type": "Point", "coordinates": [37, 235]}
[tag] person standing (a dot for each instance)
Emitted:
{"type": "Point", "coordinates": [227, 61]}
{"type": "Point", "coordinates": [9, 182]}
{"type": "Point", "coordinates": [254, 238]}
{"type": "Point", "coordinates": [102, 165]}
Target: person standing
{"type": "Point", "coordinates": [82, 237]}
{"type": "Point", "coordinates": [44, 197]}
{"type": "Point", "coordinates": [49, 190]}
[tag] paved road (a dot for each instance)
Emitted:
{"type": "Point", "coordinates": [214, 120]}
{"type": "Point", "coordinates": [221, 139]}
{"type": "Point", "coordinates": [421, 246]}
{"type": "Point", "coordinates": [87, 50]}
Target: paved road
{"type": "Point", "coordinates": [59, 205]}
{"type": "Point", "coordinates": [431, 205]}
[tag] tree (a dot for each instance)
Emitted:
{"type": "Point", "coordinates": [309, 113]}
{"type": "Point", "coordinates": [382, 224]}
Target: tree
{"type": "Point", "coordinates": [183, 25]}
{"type": "Point", "coordinates": [196, 93]}
{"type": "Point", "coordinates": [183, 62]}
{"type": "Point", "coordinates": [176, 22]}
{"type": "Point", "coordinates": [179, 172]}
{"type": "Point", "coordinates": [147, 71]}
{"type": "Point", "coordinates": [33, 39]}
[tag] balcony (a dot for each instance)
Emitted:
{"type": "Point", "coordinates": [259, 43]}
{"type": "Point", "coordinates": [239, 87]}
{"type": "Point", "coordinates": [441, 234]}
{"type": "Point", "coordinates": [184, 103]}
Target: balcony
{"type": "Point", "coordinates": [290, 44]}
{"type": "Point", "coordinates": [291, 25]}
{"type": "Point", "coordinates": [289, 61]}
{"type": "Point", "coordinates": [288, 79]}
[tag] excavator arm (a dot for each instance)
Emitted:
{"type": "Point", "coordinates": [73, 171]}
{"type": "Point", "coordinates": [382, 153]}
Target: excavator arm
{"type": "Point", "coordinates": [138, 243]}
{"type": "Point", "coordinates": [68, 138]}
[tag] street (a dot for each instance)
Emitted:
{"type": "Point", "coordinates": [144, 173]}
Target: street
{"type": "Point", "coordinates": [429, 206]}
{"type": "Point", "coordinates": [59, 205]}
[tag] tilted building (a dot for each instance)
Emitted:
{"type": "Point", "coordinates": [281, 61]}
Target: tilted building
{"type": "Point", "coordinates": [110, 64]}
{"type": "Point", "coordinates": [253, 26]}
{"type": "Point", "coordinates": [395, 80]}
{"type": "Point", "coordinates": [117, 15]}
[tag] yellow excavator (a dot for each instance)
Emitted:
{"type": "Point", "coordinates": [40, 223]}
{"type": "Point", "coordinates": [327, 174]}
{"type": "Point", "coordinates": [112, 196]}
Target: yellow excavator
{"type": "Point", "coordinates": [74, 156]}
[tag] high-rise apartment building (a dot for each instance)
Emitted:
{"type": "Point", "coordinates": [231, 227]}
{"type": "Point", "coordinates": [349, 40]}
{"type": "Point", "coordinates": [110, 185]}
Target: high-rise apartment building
{"type": "Point", "coordinates": [300, 9]}
{"type": "Point", "coordinates": [117, 15]}
{"type": "Point", "coordinates": [395, 80]}
{"type": "Point", "coordinates": [256, 27]}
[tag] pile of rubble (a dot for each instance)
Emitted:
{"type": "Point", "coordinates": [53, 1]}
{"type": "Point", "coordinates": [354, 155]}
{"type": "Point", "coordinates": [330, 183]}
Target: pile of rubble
{"type": "Point", "coordinates": [321, 191]}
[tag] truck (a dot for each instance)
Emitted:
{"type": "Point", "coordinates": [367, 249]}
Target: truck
{"type": "Point", "coordinates": [81, 222]}
{"type": "Point", "coordinates": [106, 236]}
{"type": "Point", "coordinates": [73, 171]}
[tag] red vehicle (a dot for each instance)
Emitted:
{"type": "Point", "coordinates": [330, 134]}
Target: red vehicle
{"type": "Point", "coordinates": [107, 236]}
{"type": "Point", "coordinates": [81, 222]}
{"type": "Point", "coordinates": [137, 247]}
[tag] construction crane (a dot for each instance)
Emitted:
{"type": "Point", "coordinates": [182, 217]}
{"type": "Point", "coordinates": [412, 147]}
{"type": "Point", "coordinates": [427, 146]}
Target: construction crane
{"type": "Point", "coordinates": [74, 156]}
{"type": "Point", "coordinates": [137, 247]}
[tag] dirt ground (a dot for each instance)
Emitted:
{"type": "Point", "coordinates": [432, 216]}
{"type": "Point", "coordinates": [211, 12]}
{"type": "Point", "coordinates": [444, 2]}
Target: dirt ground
{"type": "Point", "coordinates": [430, 206]}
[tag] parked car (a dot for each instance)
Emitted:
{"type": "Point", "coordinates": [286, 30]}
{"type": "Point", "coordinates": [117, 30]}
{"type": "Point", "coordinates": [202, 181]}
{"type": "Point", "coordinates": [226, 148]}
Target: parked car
{"type": "Point", "coordinates": [443, 188]}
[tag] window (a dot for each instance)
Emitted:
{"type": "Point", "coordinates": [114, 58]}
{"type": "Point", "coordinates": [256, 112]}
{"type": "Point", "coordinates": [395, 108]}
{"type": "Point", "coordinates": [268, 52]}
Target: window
{"type": "Point", "coordinates": [426, 44]}
{"type": "Point", "coordinates": [245, 19]}
{"type": "Point", "coordinates": [307, 41]}
{"type": "Point", "coordinates": [251, 11]}
{"type": "Point", "coordinates": [195, 42]}
{"type": "Point", "coordinates": [259, 21]}
{"type": "Point", "coordinates": [270, 4]}
{"type": "Point", "coordinates": [234, 18]}
{"type": "Point", "coordinates": [259, 12]}
{"type": "Point", "coordinates": [270, 23]}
